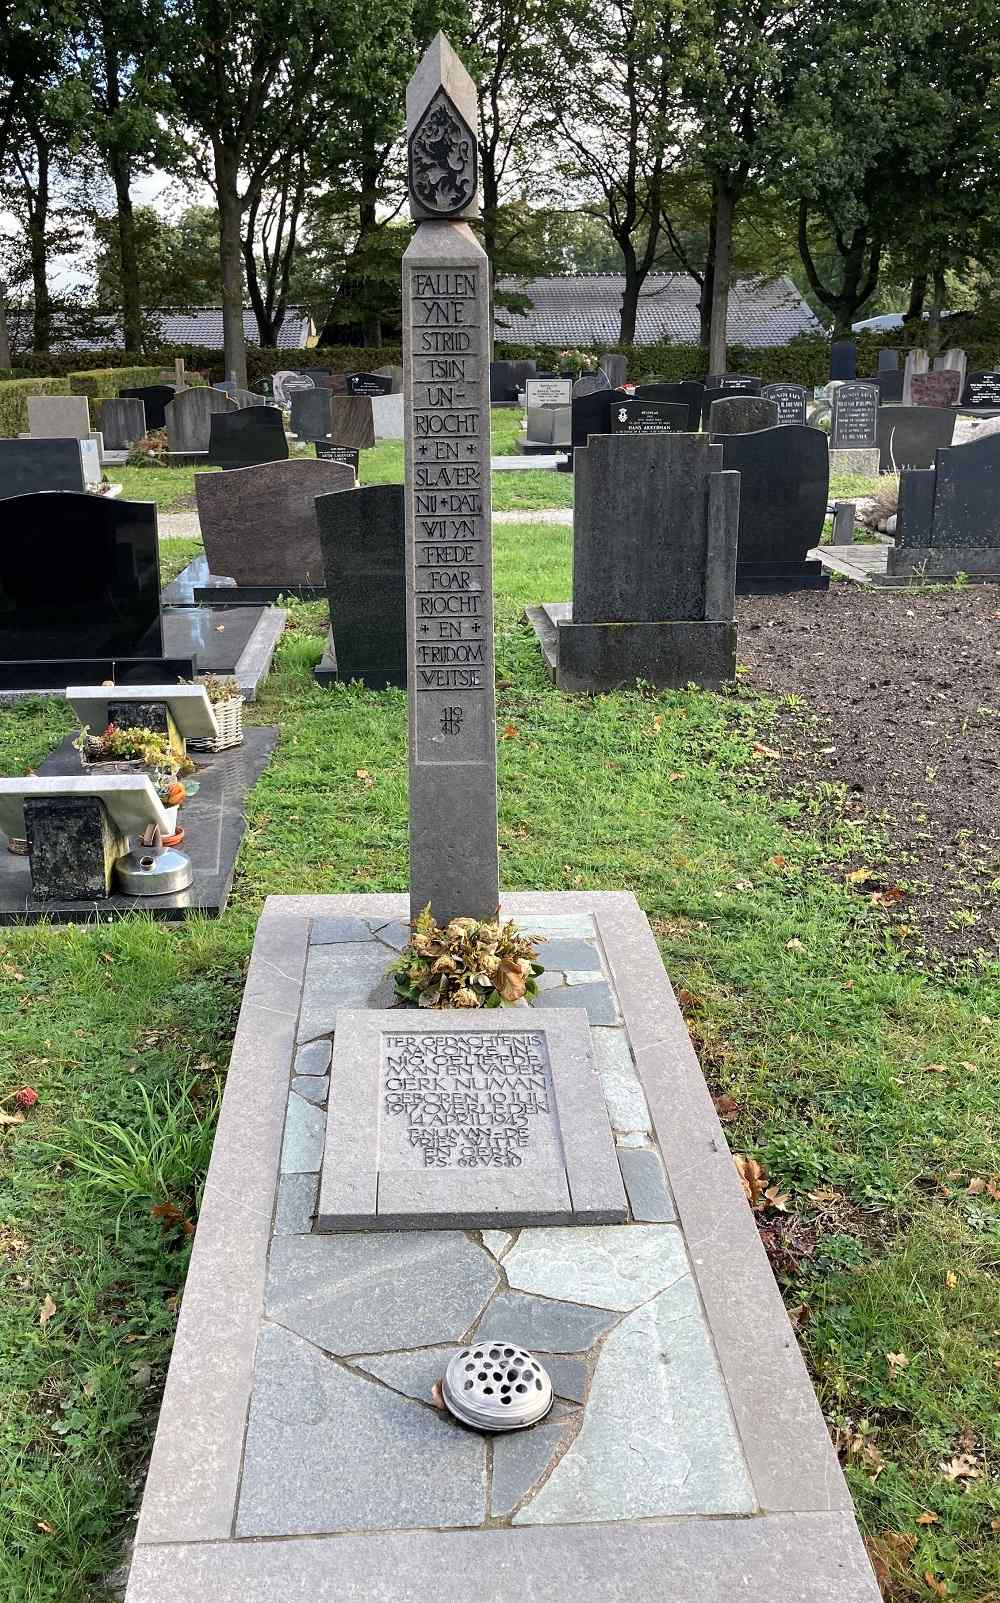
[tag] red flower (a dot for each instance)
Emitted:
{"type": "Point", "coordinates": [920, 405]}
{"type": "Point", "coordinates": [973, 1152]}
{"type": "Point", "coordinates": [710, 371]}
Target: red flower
{"type": "Point", "coordinates": [26, 1097]}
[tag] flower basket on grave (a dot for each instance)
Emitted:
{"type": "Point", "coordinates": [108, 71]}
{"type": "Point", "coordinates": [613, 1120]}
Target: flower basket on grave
{"type": "Point", "coordinates": [139, 751]}
{"type": "Point", "coordinates": [227, 704]}
{"type": "Point", "coordinates": [469, 963]}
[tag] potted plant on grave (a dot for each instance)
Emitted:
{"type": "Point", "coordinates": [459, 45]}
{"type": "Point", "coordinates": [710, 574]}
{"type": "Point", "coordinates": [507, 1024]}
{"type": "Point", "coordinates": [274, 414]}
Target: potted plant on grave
{"type": "Point", "coordinates": [142, 751]}
{"type": "Point", "coordinates": [468, 963]}
{"type": "Point", "coordinates": [150, 451]}
{"type": "Point", "coordinates": [226, 698]}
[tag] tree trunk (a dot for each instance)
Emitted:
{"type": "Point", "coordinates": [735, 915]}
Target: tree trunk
{"type": "Point", "coordinates": [128, 255]}
{"type": "Point", "coordinates": [630, 294]}
{"type": "Point", "coordinates": [368, 219]}
{"type": "Point", "coordinates": [724, 209]}
{"type": "Point", "coordinates": [934, 316]}
{"type": "Point", "coordinates": [4, 336]}
{"type": "Point", "coordinates": [231, 262]}
{"type": "Point", "coordinates": [708, 281]}
{"type": "Point", "coordinates": [918, 292]}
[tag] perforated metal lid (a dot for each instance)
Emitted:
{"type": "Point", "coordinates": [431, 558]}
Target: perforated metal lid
{"type": "Point", "coordinates": [497, 1386]}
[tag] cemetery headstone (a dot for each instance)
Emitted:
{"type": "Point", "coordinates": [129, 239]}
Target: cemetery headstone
{"type": "Point", "coordinates": [96, 593]}
{"type": "Point", "coordinates": [247, 398]}
{"type": "Point", "coordinates": [348, 455]}
{"type": "Point", "coordinates": [591, 414]}
{"type": "Point", "coordinates": [790, 399]}
{"type": "Point", "coordinates": [689, 392]}
{"type": "Point", "coordinates": [242, 439]}
{"type": "Point", "coordinates": [590, 384]}
{"type": "Point", "coordinates": [122, 423]}
{"type": "Point", "coordinates": [949, 515]}
{"type": "Point", "coordinates": [982, 389]}
{"type": "Point", "coordinates": [362, 538]}
{"type": "Point", "coordinates": [548, 391]}
{"type": "Point", "coordinates": [189, 418]}
{"type": "Point", "coordinates": [784, 484]}
{"type": "Point", "coordinates": [843, 359]}
{"type": "Point", "coordinates": [741, 414]}
{"type": "Point", "coordinates": [854, 429]}
{"type": "Point", "coordinates": [76, 828]}
{"type": "Point", "coordinates": [953, 360]}
{"type": "Point", "coordinates": [446, 350]}
{"type": "Point", "coordinates": [890, 386]}
{"type": "Point", "coordinates": [844, 518]}
{"type": "Point", "coordinates": [649, 417]}
{"type": "Point", "coordinates": [368, 384]}
{"type": "Point", "coordinates": [503, 391]}
{"type": "Point", "coordinates": [395, 376]}
{"type": "Point", "coordinates": [155, 399]}
{"type": "Point", "coordinates": [311, 413]}
{"type": "Point", "coordinates": [258, 524]}
{"type": "Point", "coordinates": [550, 429]}
{"type": "Point", "coordinates": [521, 371]}
{"type": "Point", "coordinates": [59, 417]}
{"type": "Point", "coordinates": [941, 388]}
{"type": "Point", "coordinates": [718, 385]}
{"type": "Point", "coordinates": [352, 421]}
{"type": "Point", "coordinates": [888, 360]}
{"type": "Point", "coordinates": [387, 416]}
{"type": "Point", "coordinates": [654, 563]}
{"type": "Point", "coordinates": [911, 436]}
{"type": "Point", "coordinates": [30, 465]}
{"type": "Point", "coordinates": [917, 361]}
{"type": "Point", "coordinates": [615, 367]}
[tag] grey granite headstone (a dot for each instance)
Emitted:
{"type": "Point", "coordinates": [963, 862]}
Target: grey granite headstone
{"type": "Point", "coordinates": [917, 361]}
{"type": "Point", "coordinates": [844, 518]}
{"type": "Point", "coordinates": [718, 385]}
{"type": "Point", "coordinates": [910, 436]}
{"type": "Point", "coordinates": [493, 1120]}
{"type": "Point", "coordinates": [258, 524]}
{"type": "Point", "coordinates": [855, 417]}
{"type": "Point", "coordinates": [188, 417]}
{"type": "Point", "coordinates": [352, 421]}
{"type": "Point", "coordinates": [550, 426]}
{"type": "Point", "coordinates": [362, 538]}
{"type": "Point", "coordinates": [310, 414]}
{"type": "Point", "coordinates": [394, 374]}
{"type": "Point", "coordinates": [549, 391]}
{"type": "Point", "coordinates": [59, 417]}
{"type": "Point", "coordinates": [29, 465]}
{"type": "Point", "coordinates": [590, 383]}
{"type": "Point", "coordinates": [244, 398]}
{"type": "Point", "coordinates": [387, 416]}
{"type": "Point", "coordinates": [741, 414]}
{"type": "Point", "coordinates": [446, 348]}
{"type": "Point", "coordinates": [123, 421]}
{"type": "Point", "coordinates": [790, 399]}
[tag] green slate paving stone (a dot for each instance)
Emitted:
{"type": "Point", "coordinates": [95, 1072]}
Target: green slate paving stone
{"type": "Point", "coordinates": [563, 954]}
{"type": "Point", "coordinates": [314, 1058]}
{"type": "Point", "coordinates": [379, 1291]}
{"type": "Point", "coordinates": [569, 1376]}
{"type": "Point", "coordinates": [543, 1326]}
{"type": "Point", "coordinates": [414, 1373]}
{"type": "Point", "coordinates": [346, 974]}
{"type": "Point", "coordinates": [497, 1241]}
{"type": "Point", "coordinates": [296, 1204]}
{"type": "Point", "coordinates": [520, 1459]}
{"type": "Point", "coordinates": [331, 1451]}
{"type": "Point", "coordinates": [550, 980]}
{"type": "Point", "coordinates": [559, 926]}
{"type": "Point", "coordinates": [596, 998]}
{"type": "Point", "coordinates": [606, 1266]}
{"type": "Point", "coordinates": [623, 1093]}
{"type": "Point", "coordinates": [396, 934]}
{"type": "Point", "coordinates": [313, 1088]}
{"type": "Point", "coordinates": [305, 1135]}
{"type": "Point", "coordinates": [325, 931]}
{"type": "Point", "coordinates": [646, 1185]}
{"type": "Point", "coordinates": [657, 1436]}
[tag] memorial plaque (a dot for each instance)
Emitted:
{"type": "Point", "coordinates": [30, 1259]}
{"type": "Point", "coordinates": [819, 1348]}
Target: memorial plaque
{"type": "Point", "coordinates": [452, 713]}
{"type": "Point", "coordinates": [790, 399]}
{"type": "Point", "coordinates": [548, 392]}
{"type": "Point", "coordinates": [349, 455]}
{"type": "Point", "coordinates": [855, 416]}
{"type": "Point", "coordinates": [470, 1121]}
{"type": "Point", "coordinates": [982, 389]}
{"type": "Point", "coordinates": [649, 417]}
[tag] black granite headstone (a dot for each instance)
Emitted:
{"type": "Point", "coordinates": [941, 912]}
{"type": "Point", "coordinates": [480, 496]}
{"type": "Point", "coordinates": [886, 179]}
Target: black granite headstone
{"type": "Point", "coordinates": [784, 485]}
{"type": "Point", "coordinates": [843, 359]}
{"type": "Point", "coordinates": [368, 384]}
{"type": "Point", "coordinates": [311, 413]}
{"type": "Point", "coordinates": [79, 577]}
{"type": "Point", "coordinates": [154, 397]}
{"type": "Point", "coordinates": [966, 503]}
{"type": "Point", "coordinates": [855, 416]}
{"type": "Point", "coordinates": [741, 414]}
{"type": "Point", "coordinates": [246, 438]}
{"type": "Point", "coordinates": [503, 390]}
{"type": "Point", "coordinates": [362, 536]}
{"type": "Point", "coordinates": [689, 392]}
{"type": "Point", "coordinates": [29, 465]}
{"type": "Point", "coordinates": [790, 399]}
{"type": "Point", "coordinates": [910, 436]}
{"type": "Point", "coordinates": [73, 845]}
{"type": "Point", "coordinates": [890, 386]}
{"type": "Point", "coordinates": [349, 455]}
{"type": "Point", "coordinates": [649, 417]}
{"type": "Point", "coordinates": [981, 389]}
{"type": "Point", "coordinates": [521, 371]}
{"type": "Point", "coordinates": [888, 360]}
{"type": "Point", "coordinates": [592, 414]}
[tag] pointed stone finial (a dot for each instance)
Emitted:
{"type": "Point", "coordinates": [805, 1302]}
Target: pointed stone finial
{"type": "Point", "coordinates": [443, 155]}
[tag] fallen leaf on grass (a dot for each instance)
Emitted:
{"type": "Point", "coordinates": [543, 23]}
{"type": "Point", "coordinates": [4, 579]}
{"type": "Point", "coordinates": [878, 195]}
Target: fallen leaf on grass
{"type": "Point", "coordinates": [365, 777]}
{"type": "Point", "coordinates": [169, 1216]}
{"type": "Point", "coordinates": [857, 876]}
{"type": "Point", "coordinates": [940, 1588]}
{"type": "Point", "coordinates": [795, 945]}
{"type": "Point", "coordinates": [898, 1360]}
{"type": "Point", "coordinates": [11, 1118]}
{"type": "Point", "coordinates": [672, 778]}
{"type": "Point", "coordinates": [760, 750]}
{"type": "Point", "coordinates": [927, 1519]}
{"type": "Point", "coordinates": [951, 1280]}
{"type": "Point", "coordinates": [46, 1311]}
{"type": "Point", "coordinates": [726, 1107]}
{"type": "Point", "coordinates": [509, 732]}
{"type": "Point", "coordinates": [826, 1194]}
{"type": "Point", "coordinates": [753, 1176]}
{"type": "Point", "coordinates": [961, 1468]}
{"type": "Point", "coordinates": [43, 1525]}
{"type": "Point", "coordinates": [777, 861]}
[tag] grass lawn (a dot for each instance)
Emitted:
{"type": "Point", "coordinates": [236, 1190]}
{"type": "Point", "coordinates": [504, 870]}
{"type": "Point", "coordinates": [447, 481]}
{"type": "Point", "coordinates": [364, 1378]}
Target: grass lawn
{"type": "Point", "coordinates": [867, 1088]}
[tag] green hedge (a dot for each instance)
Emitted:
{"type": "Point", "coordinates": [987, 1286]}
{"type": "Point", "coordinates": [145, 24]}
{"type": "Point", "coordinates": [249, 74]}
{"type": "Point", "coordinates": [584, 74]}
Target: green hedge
{"type": "Point", "coordinates": [14, 400]}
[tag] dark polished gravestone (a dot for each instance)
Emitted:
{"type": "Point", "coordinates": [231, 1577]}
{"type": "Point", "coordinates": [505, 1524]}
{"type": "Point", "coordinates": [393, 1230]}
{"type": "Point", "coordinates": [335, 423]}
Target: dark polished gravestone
{"type": "Point", "coordinates": [941, 388]}
{"type": "Point", "coordinates": [649, 417]}
{"type": "Point", "coordinates": [949, 515]}
{"type": "Point", "coordinates": [246, 438]}
{"type": "Point", "coordinates": [689, 392]}
{"type": "Point", "coordinates": [348, 455]}
{"type": "Point", "coordinates": [591, 414]}
{"type": "Point", "coordinates": [155, 398]}
{"type": "Point", "coordinates": [654, 565]}
{"type": "Point", "coordinates": [910, 436]}
{"type": "Point", "coordinates": [521, 370]}
{"type": "Point", "coordinates": [718, 385]}
{"type": "Point", "coordinates": [214, 823]}
{"type": "Point", "coordinates": [790, 399]}
{"type": "Point", "coordinates": [843, 360]}
{"type": "Point", "coordinates": [352, 421]}
{"type": "Point", "coordinates": [123, 421]}
{"type": "Point", "coordinates": [362, 537]}
{"type": "Point", "coordinates": [741, 414]}
{"type": "Point", "coordinates": [258, 525]}
{"type": "Point", "coordinates": [27, 466]}
{"type": "Point", "coordinates": [784, 487]}
{"type": "Point", "coordinates": [368, 384]}
{"type": "Point", "coordinates": [311, 413]}
{"type": "Point", "coordinates": [888, 360]}
{"type": "Point", "coordinates": [889, 382]}
{"type": "Point", "coordinates": [981, 389]}
{"type": "Point", "coordinates": [503, 390]}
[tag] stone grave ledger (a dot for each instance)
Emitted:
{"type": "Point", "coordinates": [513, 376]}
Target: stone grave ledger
{"type": "Point", "coordinates": [451, 1121]}
{"type": "Point", "coordinates": [364, 561]}
{"type": "Point", "coordinates": [258, 524]}
{"type": "Point", "coordinates": [453, 841]}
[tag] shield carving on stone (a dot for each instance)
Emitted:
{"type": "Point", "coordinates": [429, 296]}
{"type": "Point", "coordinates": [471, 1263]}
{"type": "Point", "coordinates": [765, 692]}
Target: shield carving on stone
{"type": "Point", "coordinates": [443, 159]}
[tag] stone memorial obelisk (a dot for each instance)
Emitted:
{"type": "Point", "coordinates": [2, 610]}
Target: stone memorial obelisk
{"type": "Point", "coordinates": [449, 602]}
